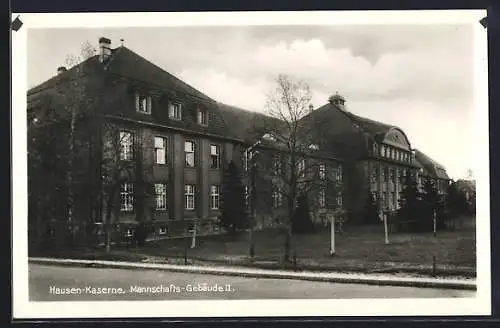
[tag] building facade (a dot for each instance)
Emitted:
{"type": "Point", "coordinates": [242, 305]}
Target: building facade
{"type": "Point", "coordinates": [145, 146]}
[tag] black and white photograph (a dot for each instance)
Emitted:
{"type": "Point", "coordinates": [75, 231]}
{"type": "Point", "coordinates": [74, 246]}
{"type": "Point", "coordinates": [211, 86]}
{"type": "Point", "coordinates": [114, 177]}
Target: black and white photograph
{"type": "Point", "coordinates": [270, 164]}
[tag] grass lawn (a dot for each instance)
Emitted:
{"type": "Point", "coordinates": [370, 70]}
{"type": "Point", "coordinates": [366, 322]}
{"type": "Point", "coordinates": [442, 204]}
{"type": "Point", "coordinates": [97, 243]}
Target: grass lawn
{"type": "Point", "coordinates": [356, 247]}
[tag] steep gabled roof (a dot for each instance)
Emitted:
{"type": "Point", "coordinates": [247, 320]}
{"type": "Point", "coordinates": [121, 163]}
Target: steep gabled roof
{"type": "Point", "coordinates": [431, 167]}
{"type": "Point", "coordinates": [245, 124]}
{"type": "Point", "coordinates": [133, 68]}
{"type": "Point", "coordinates": [127, 63]}
{"type": "Point", "coordinates": [88, 66]}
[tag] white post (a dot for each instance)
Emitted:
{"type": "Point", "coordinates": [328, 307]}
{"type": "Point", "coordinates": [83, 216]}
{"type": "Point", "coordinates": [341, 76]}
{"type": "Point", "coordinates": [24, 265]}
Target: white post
{"type": "Point", "coordinates": [193, 240]}
{"type": "Point", "coordinates": [434, 221]}
{"type": "Point", "coordinates": [332, 234]}
{"type": "Point", "coordinates": [385, 229]}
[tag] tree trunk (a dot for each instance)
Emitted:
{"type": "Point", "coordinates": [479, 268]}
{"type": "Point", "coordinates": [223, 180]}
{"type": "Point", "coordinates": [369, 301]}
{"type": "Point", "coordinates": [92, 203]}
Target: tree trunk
{"type": "Point", "coordinates": [288, 228]}
{"type": "Point", "coordinates": [107, 224]}
{"type": "Point", "coordinates": [71, 223]}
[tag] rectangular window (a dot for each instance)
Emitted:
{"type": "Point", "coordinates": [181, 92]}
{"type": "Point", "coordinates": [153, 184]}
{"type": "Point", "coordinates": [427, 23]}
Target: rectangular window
{"type": "Point", "coordinates": [202, 116]}
{"type": "Point", "coordinates": [189, 153]}
{"type": "Point", "coordinates": [322, 171]}
{"type": "Point", "coordinates": [162, 230]}
{"type": "Point", "coordinates": [277, 166]}
{"type": "Point", "coordinates": [214, 197]}
{"type": "Point", "coordinates": [143, 103]}
{"type": "Point", "coordinates": [127, 197]}
{"type": "Point", "coordinates": [339, 199]}
{"type": "Point", "coordinates": [322, 198]}
{"type": "Point", "coordinates": [392, 173]}
{"type": "Point", "coordinates": [277, 197]}
{"type": "Point", "coordinates": [339, 173]}
{"type": "Point", "coordinates": [375, 174]}
{"type": "Point", "coordinates": [386, 200]}
{"type": "Point", "coordinates": [394, 200]}
{"type": "Point", "coordinates": [160, 196]}
{"type": "Point", "coordinates": [374, 197]}
{"type": "Point", "coordinates": [189, 197]}
{"type": "Point", "coordinates": [175, 111]}
{"type": "Point", "coordinates": [160, 150]}
{"type": "Point", "coordinates": [126, 145]}
{"type": "Point", "coordinates": [214, 157]}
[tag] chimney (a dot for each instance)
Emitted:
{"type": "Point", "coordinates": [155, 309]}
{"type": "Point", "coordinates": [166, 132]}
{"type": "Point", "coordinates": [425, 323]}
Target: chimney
{"type": "Point", "coordinates": [61, 70]}
{"type": "Point", "coordinates": [337, 100]}
{"type": "Point", "coordinates": [104, 49]}
{"type": "Point", "coordinates": [311, 108]}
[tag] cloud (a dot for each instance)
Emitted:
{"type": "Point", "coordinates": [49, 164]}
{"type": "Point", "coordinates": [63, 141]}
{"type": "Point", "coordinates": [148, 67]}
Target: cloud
{"type": "Point", "coordinates": [416, 77]}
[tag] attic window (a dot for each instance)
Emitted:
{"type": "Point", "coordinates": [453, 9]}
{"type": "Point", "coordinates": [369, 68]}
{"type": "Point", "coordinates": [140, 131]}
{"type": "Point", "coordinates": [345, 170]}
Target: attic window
{"type": "Point", "coordinates": [313, 147]}
{"type": "Point", "coordinates": [269, 137]}
{"type": "Point", "coordinates": [143, 103]}
{"type": "Point", "coordinates": [175, 110]}
{"type": "Point", "coordinates": [202, 116]}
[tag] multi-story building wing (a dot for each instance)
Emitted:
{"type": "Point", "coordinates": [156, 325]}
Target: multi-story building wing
{"type": "Point", "coordinates": [319, 171]}
{"type": "Point", "coordinates": [172, 136]}
{"type": "Point", "coordinates": [377, 155]}
{"type": "Point", "coordinates": [432, 171]}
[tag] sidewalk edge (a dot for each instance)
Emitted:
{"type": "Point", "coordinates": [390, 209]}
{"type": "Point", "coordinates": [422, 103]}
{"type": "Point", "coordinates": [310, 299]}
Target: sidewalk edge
{"type": "Point", "coordinates": [271, 274]}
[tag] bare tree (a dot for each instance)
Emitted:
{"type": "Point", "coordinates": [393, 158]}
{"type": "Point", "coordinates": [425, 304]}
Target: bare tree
{"type": "Point", "coordinates": [118, 165]}
{"type": "Point", "coordinates": [291, 133]}
{"type": "Point", "coordinates": [77, 103]}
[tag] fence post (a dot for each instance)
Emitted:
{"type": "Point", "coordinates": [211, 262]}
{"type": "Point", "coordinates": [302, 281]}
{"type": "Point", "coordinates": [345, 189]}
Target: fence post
{"type": "Point", "coordinates": [185, 252]}
{"type": "Point", "coordinates": [386, 232]}
{"type": "Point", "coordinates": [434, 273]}
{"type": "Point", "coordinates": [294, 260]}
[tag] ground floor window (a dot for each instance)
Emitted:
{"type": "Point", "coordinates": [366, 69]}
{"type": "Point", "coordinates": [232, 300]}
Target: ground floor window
{"type": "Point", "coordinates": [162, 230]}
{"type": "Point", "coordinates": [277, 198]}
{"type": "Point", "coordinates": [127, 197]}
{"type": "Point", "coordinates": [160, 196]}
{"type": "Point", "coordinates": [339, 200]}
{"type": "Point", "coordinates": [189, 196]}
{"type": "Point", "coordinates": [214, 197]}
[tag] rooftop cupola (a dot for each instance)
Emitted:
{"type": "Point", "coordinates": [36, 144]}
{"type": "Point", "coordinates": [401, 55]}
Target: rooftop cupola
{"type": "Point", "coordinates": [337, 100]}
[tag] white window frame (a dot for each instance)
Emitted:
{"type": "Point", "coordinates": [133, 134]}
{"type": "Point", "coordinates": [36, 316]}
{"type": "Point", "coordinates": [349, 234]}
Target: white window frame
{"type": "Point", "coordinates": [338, 176]}
{"type": "Point", "coordinates": [143, 103]}
{"type": "Point", "coordinates": [375, 174]}
{"type": "Point", "coordinates": [203, 116]}
{"type": "Point", "coordinates": [277, 197]}
{"type": "Point", "coordinates": [322, 198]}
{"type": "Point", "coordinates": [189, 152]}
{"type": "Point", "coordinates": [162, 230]}
{"type": "Point", "coordinates": [215, 154]}
{"type": "Point", "coordinates": [126, 143]}
{"type": "Point", "coordinates": [322, 171]}
{"type": "Point", "coordinates": [214, 197]}
{"type": "Point", "coordinates": [127, 197]}
{"type": "Point", "coordinates": [340, 200]}
{"type": "Point", "coordinates": [159, 148]}
{"type": "Point", "coordinates": [160, 196]}
{"type": "Point", "coordinates": [175, 110]}
{"type": "Point", "coordinates": [189, 197]}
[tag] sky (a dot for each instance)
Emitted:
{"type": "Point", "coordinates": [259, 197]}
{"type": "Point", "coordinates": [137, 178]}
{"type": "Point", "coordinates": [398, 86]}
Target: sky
{"type": "Point", "coordinates": [417, 77]}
